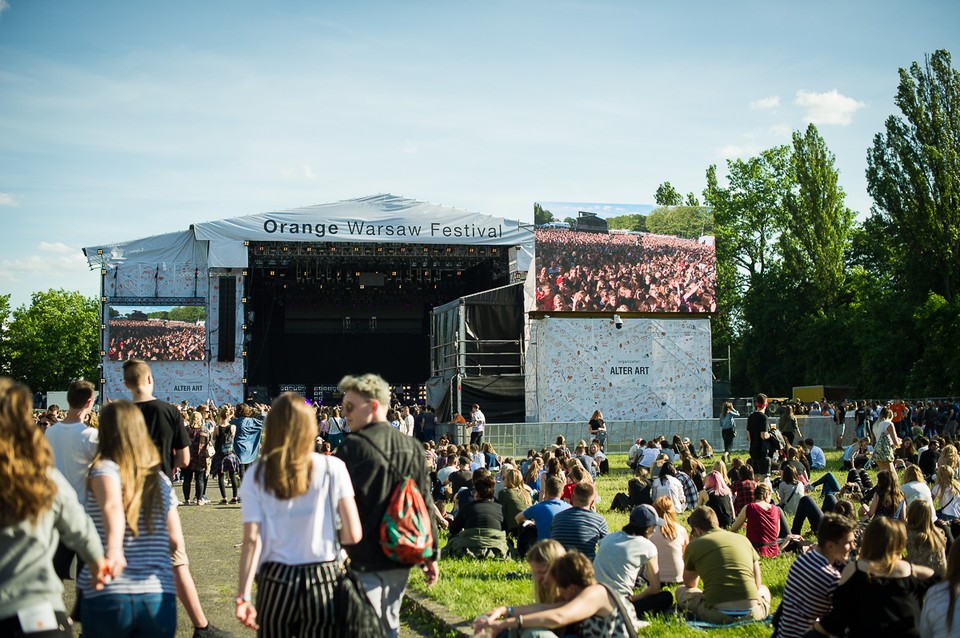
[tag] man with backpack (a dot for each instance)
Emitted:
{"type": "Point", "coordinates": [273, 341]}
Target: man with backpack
{"type": "Point", "coordinates": [379, 458]}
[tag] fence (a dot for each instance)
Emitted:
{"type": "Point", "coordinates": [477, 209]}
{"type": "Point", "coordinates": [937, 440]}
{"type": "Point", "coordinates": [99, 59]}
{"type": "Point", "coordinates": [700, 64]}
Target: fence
{"type": "Point", "coordinates": [513, 439]}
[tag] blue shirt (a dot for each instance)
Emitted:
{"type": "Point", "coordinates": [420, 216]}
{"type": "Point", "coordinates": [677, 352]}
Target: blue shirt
{"type": "Point", "coordinates": [848, 453]}
{"type": "Point", "coordinates": [542, 514]}
{"type": "Point", "coordinates": [818, 460]}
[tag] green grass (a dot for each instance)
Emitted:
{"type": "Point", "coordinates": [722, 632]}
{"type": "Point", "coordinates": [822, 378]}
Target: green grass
{"type": "Point", "coordinates": [470, 588]}
{"type": "Point", "coordinates": [467, 587]}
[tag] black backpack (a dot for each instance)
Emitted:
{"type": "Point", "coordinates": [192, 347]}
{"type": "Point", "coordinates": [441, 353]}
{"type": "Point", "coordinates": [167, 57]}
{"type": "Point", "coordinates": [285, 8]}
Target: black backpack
{"type": "Point", "coordinates": [776, 440]}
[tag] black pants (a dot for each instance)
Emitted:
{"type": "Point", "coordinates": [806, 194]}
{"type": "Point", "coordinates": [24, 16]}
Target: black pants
{"type": "Point", "coordinates": [296, 600]}
{"type": "Point", "coordinates": [476, 437]}
{"type": "Point", "coordinates": [728, 435]}
{"type": "Point", "coordinates": [191, 478]}
{"type": "Point", "coordinates": [807, 510]}
{"type": "Point", "coordinates": [655, 603]}
{"type": "Point", "coordinates": [234, 484]}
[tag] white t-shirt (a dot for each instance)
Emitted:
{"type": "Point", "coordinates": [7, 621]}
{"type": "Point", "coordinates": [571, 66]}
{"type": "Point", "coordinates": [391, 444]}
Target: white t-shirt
{"type": "Point", "coordinates": [478, 420]}
{"type": "Point", "coordinates": [408, 425]}
{"type": "Point", "coordinates": [298, 531]}
{"type": "Point", "coordinates": [74, 446]}
{"type": "Point", "coordinates": [650, 455]}
{"type": "Point", "coordinates": [915, 490]}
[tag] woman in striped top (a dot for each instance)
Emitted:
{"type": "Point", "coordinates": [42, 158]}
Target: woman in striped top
{"type": "Point", "coordinates": [132, 504]}
{"type": "Point", "coordinates": [287, 505]}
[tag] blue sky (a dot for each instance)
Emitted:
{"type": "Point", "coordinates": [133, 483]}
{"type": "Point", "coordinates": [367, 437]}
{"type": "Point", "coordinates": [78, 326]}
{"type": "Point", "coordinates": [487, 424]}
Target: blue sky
{"type": "Point", "coordinates": [127, 119]}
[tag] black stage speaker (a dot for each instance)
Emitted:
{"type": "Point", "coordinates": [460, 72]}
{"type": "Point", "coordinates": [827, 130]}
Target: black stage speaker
{"type": "Point", "coordinates": [227, 344]}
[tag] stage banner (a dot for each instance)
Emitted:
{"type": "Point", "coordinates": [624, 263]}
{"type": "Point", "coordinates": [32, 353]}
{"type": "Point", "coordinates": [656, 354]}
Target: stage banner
{"type": "Point", "coordinates": [177, 381]}
{"type": "Point", "coordinates": [646, 369]}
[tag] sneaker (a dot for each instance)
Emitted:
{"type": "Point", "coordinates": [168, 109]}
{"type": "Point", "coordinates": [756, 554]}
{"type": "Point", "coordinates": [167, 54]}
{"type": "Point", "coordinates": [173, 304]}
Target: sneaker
{"type": "Point", "coordinates": [204, 501]}
{"type": "Point", "coordinates": [200, 501]}
{"type": "Point", "coordinates": [223, 501]}
{"type": "Point", "coordinates": [210, 632]}
{"type": "Point", "coordinates": [234, 501]}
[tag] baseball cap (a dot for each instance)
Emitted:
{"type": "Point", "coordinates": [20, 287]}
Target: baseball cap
{"type": "Point", "coordinates": [644, 516]}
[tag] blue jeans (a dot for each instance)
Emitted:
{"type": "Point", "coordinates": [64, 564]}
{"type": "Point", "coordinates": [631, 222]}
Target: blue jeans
{"type": "Point", "coordinates": [118, 615]}
{"type": "Point", "coordinates": [829, 483]}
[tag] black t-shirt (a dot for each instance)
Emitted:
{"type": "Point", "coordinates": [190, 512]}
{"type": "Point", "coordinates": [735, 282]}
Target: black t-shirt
{"type": "Point", "coordinates": [756, 424]}
{"type": "Point", "coordinates": [478, 514]}
{"type": "Point", "coordinates": [928, 462]}
{"type": "Point", "coordinates": [461, 478]}
{"type": "Point", "coordinates": [167, 430]}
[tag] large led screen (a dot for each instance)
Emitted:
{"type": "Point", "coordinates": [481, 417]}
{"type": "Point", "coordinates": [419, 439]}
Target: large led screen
{"type": "Point", "coordinates": [156, 333]}
{"type": "Point", "coordinates": [603, 258]}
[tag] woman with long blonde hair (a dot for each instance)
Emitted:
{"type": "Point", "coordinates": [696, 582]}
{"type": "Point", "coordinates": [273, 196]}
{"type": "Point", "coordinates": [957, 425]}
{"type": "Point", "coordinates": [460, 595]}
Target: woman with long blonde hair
{"type": "Point", "coordinates": [946, 494]}
{"type": "Point", "coordinates": [938, 617]}
{"type": "Point", "coordinates": [514, 498]}
{"type": "Point", "coordinates": [671, 541]}
{"type": "Point", "coordinates": [926, 544]}
{"type": "Point", "coordinates": [290, 503]}
{"type": "Point", "coordinates": [132, 504]}
{"type": "Point", "coordinates": [37, 507]}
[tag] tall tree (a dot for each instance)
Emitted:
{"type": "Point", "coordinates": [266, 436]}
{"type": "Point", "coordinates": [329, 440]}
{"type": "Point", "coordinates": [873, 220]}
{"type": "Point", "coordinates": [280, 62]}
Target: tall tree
{"type": "Point", "coordinates": [541, 215]}
{"type": "Point", "coordinates": [4, 335]}
{"type": "Point", "coordinates": [913, 174]}
{"type": "Point", "coordinates": [817, 223]}
{"type": "Point", "coordinates": [55, 339]}
{"type": "Point", "coordinates": [692, 199]}
{"type": "Point", "coordinates": [682, 221]}
{"type": "Point", "coordinates": [667, 195]}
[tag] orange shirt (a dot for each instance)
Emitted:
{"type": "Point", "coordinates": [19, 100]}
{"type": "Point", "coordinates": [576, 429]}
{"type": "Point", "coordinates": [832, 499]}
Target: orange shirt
{"type": "Point", "coordinates": [899, 410]}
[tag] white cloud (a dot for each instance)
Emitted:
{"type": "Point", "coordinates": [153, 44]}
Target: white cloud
{"type": "Point", "coordinates": [766, 102]}
{"type": "Point", "coordinates": [308, 172]}
{"type": "Point", "coordinates": [828, 108]}
{"type": "Point", "coordinates": [6, 199]}
{"type": "Point", "coordinates": [4, 5]}
{"type": "Point", "coordinates": [731, 151]}
{"type": "Point", "coordinates": [58, 247]}
{"type": "Point", "coordinates": [781, 130]}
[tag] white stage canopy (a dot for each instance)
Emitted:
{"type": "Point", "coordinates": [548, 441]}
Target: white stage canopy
{"type": "Point", "coordinates": [379, 218]}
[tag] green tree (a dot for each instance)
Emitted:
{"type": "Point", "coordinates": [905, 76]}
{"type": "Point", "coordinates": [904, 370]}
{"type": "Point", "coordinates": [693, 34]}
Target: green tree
{"type": "Point", "coordinates": [569, 220]}
{"type": "Point", "coordinates": [55, 340]}
{"type": "Point", "coordinates": [682, 221]}
{"type": "Point", "coordinates": [190, 314]}
{"type": "Point", "coordinates": [634, 221]}
{"type": "Point", "coordinates": [692, 199]}
{"type": "Point", "coordinates": [4, 335]}
{"type": "Point", "coordinates": [667, 195]}
{"type": "Point", "coordinates": [913, 174]}
{"type": "Point", "coordinates": [817, 223]}
{"type": "Point", "coordinates": [541, 215]}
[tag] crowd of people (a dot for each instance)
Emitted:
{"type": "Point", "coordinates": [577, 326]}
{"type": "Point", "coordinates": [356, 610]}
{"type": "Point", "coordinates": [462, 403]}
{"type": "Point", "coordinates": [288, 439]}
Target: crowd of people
{"type": "Point", "coordinates": [156, 340]}
{"type": "Point", "coordinates": [595, 272]}
{"type": "Point", "coordinates": [94, 496]}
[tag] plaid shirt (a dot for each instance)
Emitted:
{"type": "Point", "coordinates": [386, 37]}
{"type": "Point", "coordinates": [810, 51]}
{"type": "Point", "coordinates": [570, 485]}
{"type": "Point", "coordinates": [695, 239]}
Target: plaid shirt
{"type": "Point", "coordinates": [743, 495]}
{"type": "Point", "coordinates": [690, 492]}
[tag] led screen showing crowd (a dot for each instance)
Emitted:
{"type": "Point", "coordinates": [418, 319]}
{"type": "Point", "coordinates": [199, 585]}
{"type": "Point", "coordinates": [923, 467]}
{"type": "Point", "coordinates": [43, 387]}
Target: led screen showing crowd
{"type": "Point", "coordinates": [157, 333]}
{"type": "Point", "coordinates": [623, 272]}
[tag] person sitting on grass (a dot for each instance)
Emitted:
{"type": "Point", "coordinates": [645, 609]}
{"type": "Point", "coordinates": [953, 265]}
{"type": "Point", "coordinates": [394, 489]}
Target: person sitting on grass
{"type": "Point", "coordinates": [762, 519]}
{"type": "Point", "coordinates": [671, 541]}
{"type": "Point", "coordinates": [542, 513]}
{"type": "Point", "coordinates": [730, 570]}
{"type": "Point", "coordinates": [743, 488]}
{"type": "Point", "coordinates": [879, 594]}
{"type": "Point", "coordinates": [813, 577]}
{"type": "Point", "coordinates": [582, 600]}
{"type": "Point", "coordinates": [624, 556]}
{"type": "Point", "coordinates": [579, 528]}
{"type": "Point", "coordinates": [717, 496]}
{"type": "Point", "coordinates": [477, 530]}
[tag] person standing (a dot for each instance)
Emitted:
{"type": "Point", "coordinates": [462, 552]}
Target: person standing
{"type": "Point", "coordinates": [37, 507]}
{"type": "Point", "coordinates": [477, 423]}
{"type": "Point", "coordinates": [728, 428]}
{"type": "Point", "coordinates": [598, 428]}
{"type": "Point", "coordinates": [74, 445]}
{"type": "Point", "coordinates": [169, 434]}
{"type": "Point", "coordinates": [758, 431]}
{"type": "Point", "coordinates": [289, 523]}
{"type": "Point", "coordinates": [366, 450]}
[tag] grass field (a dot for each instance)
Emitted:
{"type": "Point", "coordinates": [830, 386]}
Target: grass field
{"type": "Point", "coordinates": [470, 588]}
{"type": "Point", "coordinates": [467, 588]}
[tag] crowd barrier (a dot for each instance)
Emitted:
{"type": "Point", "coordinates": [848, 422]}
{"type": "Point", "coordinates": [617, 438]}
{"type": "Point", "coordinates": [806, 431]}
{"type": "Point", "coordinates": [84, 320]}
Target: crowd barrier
{"type": "Point", "coordinates": [515, 439]}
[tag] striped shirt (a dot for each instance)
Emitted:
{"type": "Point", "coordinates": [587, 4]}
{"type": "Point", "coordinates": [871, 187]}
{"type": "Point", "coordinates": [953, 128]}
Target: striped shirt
{"type": "Point", "coordinates": [579, 529]}
{"type": "Point", "coordinates": [149, 569]}
{"type": "Point", "coordinates": [808, 594]}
